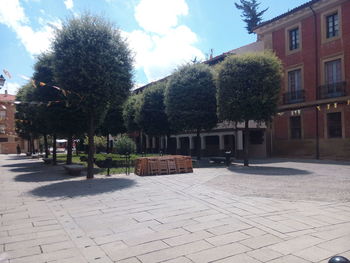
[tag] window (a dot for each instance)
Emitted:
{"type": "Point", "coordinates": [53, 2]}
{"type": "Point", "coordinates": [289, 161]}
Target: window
{"type": "Point", "coordinates": [334, 125]}
{"type": "Point", "coordinates": [295, 127]}
{"type": "Point", "coordinates": [2, 128]}
{"type": "Point", "coordinates": [4, 139]}
{"type": "Point", "coordinates": [294, 39]}
{"type": "Point", "coordinates": [333, 72]}
{"type": "Point", "coordinates": [2, 115]}
{"type": "Point", "coordinates": [332, 25]}
{"type": "Point", "coordinates": [294, 80]}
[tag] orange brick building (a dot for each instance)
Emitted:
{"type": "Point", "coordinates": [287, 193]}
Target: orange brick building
{"type": "Point", "coordinates": [313, 42]}
{"type": "Point", "coordinates": [8, 137]}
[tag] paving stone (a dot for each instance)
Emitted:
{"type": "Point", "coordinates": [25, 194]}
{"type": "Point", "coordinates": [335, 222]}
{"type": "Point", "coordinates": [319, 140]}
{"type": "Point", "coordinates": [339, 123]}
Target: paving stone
{"type": "Point", "coordinates": [261, 241]}
{"type": "Point", "coordinates": [338, 245]}
{"type": "Point", "coordinates": [253, 232]}
{"type": "Point", "coordinates": [217, 253]}
{"type": "Point", "coordinates": [289, 259]}
{"type": "Point", "coordinates": [174, 252]}
{"type": "Point", "coordinates": [128, 252]}
{"type": "Point", "coordinates": [227, 238]}
{"type": "Point", "coordinates": [242, 258]}
{"type": "Point", "coordinates": [187, 238]}
{"type": "Point", "coordinates": [295, 244]}
{"type": "Point", "coordinates": [155, 236]}
{"type": "Point", "coordinates": [314, 254]}
{"type": "Point", "coordinates": [264, 254]}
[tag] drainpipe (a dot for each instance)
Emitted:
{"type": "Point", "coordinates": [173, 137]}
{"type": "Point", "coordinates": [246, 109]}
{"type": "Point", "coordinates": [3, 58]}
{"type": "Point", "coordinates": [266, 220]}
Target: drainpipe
{"type": "Point", "coordinates": [316, 82]}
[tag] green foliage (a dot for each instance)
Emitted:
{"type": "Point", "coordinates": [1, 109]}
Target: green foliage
{"type": "Point", "coordinates": [93, 61]}
{"type": "Point", "coordinates": [250, 13]}
{"type": "Point", "coordinates": [28, 119]}
{"type": "Point", "coordinates": [131, 110]}
{"type": "Point", "coordinates": [152, 118]}
{"type": "Point", "coordinates": [125, 145]}
{"type": "Point", "coordinates": [100, 143]}
{"type": "Point", "coordinates": [249, 86]}
{"type": "Point", "coordinates": [113, 123]}
{"type": "Point", "coordinates": [190, 98]}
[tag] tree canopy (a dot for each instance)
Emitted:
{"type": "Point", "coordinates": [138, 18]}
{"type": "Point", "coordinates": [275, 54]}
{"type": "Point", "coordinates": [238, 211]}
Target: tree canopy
{"type": "Point", "coordinates": [92, 62]}
{"type": "Point", "coordinates": [152, 118]}
{"type": "Point", "coordinates": [250, 13]}
{"type": "Point", "coordinates": [131, 110]}
{"type": "Point", "coordinates": [190, 100]}
{"type": "Point", "coordinates": [248, 88]}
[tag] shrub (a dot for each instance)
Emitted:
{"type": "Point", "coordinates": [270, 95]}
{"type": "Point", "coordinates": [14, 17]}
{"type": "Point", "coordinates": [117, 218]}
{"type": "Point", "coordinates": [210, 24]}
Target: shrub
{"type": "Point", "coordinates": [125, 145]}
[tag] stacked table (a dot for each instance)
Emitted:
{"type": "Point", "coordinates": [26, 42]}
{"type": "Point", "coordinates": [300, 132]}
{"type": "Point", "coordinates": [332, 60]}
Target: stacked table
{"type": "Point", "coordinates": [170, 164]}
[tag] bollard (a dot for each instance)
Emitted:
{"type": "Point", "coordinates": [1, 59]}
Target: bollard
{"type": "Point", "coordinates": [108, 164]}
{"type": "Point", "coordinates": [228, 158]}
{"type": "Point", "coordinates": [338, 259]}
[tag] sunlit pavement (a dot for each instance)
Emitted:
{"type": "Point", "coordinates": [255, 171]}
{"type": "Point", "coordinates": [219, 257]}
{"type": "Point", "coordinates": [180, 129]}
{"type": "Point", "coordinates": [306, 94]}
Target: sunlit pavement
{"type": "Point", "coordinates": [258, 214]}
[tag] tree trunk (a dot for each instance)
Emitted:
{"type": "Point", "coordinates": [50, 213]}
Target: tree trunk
{"type": "Point", "coordinates": [32, 145]}
{"type": "Point", "coordinates": [54, 150]}
{"type": "Point", "coordinates": [69, 149]}
{"type": "Point", "coordinates": [90, 168]}
{"type": "Point", "coordinates": [198, 146]}
{"type": "Point", "coordinates": [107, 145]}
{"type": "Point", "coordinates": [46, 146]}
{"type": "Point", "coordinates": [246, 143]}
{"type": "Point", "coordinates": [29, 146]}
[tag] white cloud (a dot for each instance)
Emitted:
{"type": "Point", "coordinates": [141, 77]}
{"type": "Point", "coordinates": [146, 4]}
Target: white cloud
{"type": "Point", "coordinates": [159, 16]}
{"type": "Point", "coordinates": [12, 87]}
{"type": "Point", "coordinates": [35, 41]}
{"type": "Point", "coordinates": [162, 45]}
{"type": "Point", "coordinates": [69, 4]}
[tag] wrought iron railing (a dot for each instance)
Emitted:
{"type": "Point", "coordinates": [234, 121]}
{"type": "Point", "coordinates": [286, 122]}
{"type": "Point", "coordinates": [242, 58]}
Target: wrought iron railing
{"type": "Point", "coordinates": [333, 90]}
{"type": "Point", "coordinates": [294, 97]}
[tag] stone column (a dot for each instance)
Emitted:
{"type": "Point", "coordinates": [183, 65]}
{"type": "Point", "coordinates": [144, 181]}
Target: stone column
{"type": "Point", "coordinates": [221, 142]}
{"type": "Point", "coordinates": [153, 142]}
{"type": "Point", "coordinates": [147, 142]}
{"type": "Point", "coordinates": [239, 140]}
{"type": "Point", "coordinates": [178, 144]}
{"type": "Point", "coordinates": [161, 138]}
{"type": "Point", "coordinates": [203, 146]}
{"type": "Point", "coordinates": [191, 142]}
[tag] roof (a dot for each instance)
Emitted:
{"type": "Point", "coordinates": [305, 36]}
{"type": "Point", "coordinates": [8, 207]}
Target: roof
{"type": "Point", "coordinates": [7, 97]}
{"type": "Point", "coordinates": [307, 4]}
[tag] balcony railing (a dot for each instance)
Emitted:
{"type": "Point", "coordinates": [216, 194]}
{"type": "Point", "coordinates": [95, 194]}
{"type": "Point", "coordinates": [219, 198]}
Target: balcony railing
{"type": "Point", "coordinates": [333, 90]}
{"type": "Point", "coordinates": [294, 97]}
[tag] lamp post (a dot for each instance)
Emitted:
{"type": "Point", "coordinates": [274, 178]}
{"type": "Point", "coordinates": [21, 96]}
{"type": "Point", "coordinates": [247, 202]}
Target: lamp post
{"type": "Point", "coordinates": [2, 81]}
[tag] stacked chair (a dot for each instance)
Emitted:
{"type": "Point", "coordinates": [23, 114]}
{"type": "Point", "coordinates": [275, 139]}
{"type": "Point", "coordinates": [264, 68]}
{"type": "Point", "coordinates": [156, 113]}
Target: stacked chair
{"type": "Point", "coordinates": [163, 165]}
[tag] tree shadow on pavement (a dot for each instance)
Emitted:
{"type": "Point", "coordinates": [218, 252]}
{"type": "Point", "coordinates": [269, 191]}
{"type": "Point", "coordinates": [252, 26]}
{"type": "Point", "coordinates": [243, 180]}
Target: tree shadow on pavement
{"type": "Point", "coordinates": [82, 187]}
{"type": "Point", "coordinates": [268, 170]}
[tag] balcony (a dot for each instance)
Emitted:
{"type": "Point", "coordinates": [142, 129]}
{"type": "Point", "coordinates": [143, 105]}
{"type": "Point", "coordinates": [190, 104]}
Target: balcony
{"type": "Point", "coordinates": [294, 97]}
{"type": "Point", "coordinates": [333, 90]}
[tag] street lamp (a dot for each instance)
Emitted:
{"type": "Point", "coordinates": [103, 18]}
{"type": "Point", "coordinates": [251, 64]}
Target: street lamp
{"type": "Point", "coordinates": [2, 81]}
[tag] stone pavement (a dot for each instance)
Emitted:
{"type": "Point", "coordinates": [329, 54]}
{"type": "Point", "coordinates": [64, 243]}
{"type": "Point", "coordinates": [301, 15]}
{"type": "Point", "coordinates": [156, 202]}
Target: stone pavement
{"type": "Point", "coordinates": [47, 216]}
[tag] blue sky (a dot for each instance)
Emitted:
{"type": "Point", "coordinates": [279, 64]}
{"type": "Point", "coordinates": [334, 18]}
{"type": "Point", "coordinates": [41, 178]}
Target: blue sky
{"type": "Point", "coordinates": [162, 33]}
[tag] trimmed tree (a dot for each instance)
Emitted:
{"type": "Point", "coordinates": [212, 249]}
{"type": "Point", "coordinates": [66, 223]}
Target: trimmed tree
{"type": "Point", "coordinates": [130, 112]}
{"type": "Point", "coordinates": [250, 13]}
{"type": "Point", "coordinates": [94, 63]}
{"type": "Point", "coordinates": [28, 118]}
{"type": "Point", "coordinates": [190, 100]}
{"type": "Point", "coordinates": [248, 89]}
{"type": "Point", "coordinates": [152, 118]}
{"type": "Point", "coordinates": [112, 124]}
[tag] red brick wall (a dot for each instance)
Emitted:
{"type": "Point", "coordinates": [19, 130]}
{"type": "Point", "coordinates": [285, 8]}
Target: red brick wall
{"type": "Point", "coordinates": [307, 58]}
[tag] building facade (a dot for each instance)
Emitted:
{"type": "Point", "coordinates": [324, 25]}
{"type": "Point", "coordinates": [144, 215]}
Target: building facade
{"type": "Point", "coordinates": [8, 137]}
{"type": "Point", "coordinates": [313, 42]}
